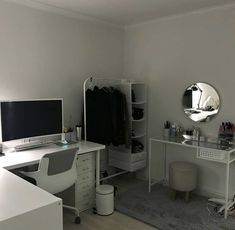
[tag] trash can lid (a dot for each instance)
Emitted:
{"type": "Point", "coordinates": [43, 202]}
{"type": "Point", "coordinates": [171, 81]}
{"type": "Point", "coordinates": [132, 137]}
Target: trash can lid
{"type": "Point", "coordinates": [104, 189]}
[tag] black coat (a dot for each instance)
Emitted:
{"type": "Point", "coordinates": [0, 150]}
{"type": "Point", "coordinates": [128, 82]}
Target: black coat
{"type": "Point", "coordinates": [106, 116]}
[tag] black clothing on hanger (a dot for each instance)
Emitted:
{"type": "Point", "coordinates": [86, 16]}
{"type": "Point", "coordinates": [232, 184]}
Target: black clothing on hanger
{"type": "Point", "coordinates": [106, 114]}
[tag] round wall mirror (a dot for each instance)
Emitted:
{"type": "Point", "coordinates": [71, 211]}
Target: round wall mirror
{"type": "Point", "coordinates": [201, 102]}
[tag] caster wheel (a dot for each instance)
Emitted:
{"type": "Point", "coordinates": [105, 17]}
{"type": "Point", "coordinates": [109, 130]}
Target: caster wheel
{"type": "Point", "coordinates": [77, 220]}
{"type": "Point", "coordinates": [94, 211]}
{"type": "Point", "coordinates": [105, 173]}
{"type": "Point", "coordinates": [115, 190]}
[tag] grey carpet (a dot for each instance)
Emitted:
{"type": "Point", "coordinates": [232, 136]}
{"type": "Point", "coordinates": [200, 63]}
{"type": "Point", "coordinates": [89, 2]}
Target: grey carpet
{"type": "Point", "coordinates": [157, 209]}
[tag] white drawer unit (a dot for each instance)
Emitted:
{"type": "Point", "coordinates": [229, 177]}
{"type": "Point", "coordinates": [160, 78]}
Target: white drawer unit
{"type": "Point", "coordinates": [212, 154]}
{"type": "Point", "coordinates": [85, 163]}
{"type": "Point", "coordinates": [86, 177]}
{"type": "Point", "coordinates": [85, 195]}
{"type": "Point", "coordinates": [85, 186]}
{"type": "Point", "coordinates": [85, 204]}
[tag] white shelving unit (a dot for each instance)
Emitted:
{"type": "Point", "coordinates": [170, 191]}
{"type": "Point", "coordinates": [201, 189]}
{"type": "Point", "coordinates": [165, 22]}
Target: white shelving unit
{"type": "Point", "coordinates": [123, 157]}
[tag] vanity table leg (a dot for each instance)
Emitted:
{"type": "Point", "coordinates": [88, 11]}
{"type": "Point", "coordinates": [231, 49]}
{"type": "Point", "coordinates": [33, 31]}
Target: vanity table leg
{"type": "Point", "coordinates": [150, 153]}
{"type": "Point", "coordinates": [227, 187]}
{"type": "Point", "coordinates": [165, 164]}
{"type": "Point", "coordinates": [97, 168]}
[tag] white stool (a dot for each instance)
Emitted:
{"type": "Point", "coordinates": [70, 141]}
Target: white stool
{"type": "Point", "coordinates": [183, 177]}
{"type": "Point", "coordinates": [104, 200]}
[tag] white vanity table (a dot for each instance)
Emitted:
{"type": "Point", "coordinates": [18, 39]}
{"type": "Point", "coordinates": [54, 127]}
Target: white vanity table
{"type": "Point", "coordinates": [205, 151]}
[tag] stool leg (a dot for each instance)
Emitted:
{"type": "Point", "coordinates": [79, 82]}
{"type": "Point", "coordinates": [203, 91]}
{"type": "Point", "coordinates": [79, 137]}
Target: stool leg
{"type": "Point", "coordinates": [187, 196]}
{"type": "Point", "coordinates": [173, 194]}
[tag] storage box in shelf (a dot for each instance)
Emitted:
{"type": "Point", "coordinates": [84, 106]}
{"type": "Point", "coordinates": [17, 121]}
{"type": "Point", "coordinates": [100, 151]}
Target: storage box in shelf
{"type": "Point", "coordinates": [127, 157]}
{"type": "Point", "coordinates": [131, 167]}
{"type": "Point", "coordinates": [138, 135]}
{"type": "Point", "coordinates": [139, 104]}
{"type": "Point", "coordinates": [139, 90]}
{"type": "Point", "coordinates": [139, 120]}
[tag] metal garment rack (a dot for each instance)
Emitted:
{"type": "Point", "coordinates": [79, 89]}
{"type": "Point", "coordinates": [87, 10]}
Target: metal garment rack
{"type": "Point", "coordinates": [90, 83]}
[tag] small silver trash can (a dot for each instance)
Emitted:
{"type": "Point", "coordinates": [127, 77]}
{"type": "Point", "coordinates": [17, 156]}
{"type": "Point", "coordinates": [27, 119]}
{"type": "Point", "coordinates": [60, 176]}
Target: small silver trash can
{"type": "Point", "coordinates": [104, 200]}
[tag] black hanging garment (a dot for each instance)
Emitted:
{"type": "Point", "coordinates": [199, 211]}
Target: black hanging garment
{"type": "Point", "coordinates": [106, 116]}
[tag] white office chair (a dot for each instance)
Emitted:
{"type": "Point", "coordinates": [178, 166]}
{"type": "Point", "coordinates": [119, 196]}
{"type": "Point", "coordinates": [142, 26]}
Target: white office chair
{"type": "Point", "coordinates": [57, 172]}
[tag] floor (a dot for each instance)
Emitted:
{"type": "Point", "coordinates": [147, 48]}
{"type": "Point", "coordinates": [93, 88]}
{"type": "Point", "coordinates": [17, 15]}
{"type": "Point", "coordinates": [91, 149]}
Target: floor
{"type": "Point", "coordinates": [117, 220]}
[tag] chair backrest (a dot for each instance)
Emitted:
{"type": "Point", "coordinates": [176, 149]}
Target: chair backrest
{"type": "Point", "coordinates": [57, 171]}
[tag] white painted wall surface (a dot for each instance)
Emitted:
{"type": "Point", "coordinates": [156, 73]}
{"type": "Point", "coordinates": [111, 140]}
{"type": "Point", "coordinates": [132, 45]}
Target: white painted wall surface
{"type": "Point", "coordinates": [172, 53]}
{"type": "Point", "coordinates": [46, 55]}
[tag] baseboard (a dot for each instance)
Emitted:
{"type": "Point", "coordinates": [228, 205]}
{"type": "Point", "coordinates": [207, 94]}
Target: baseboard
{"type": "Point", "coordinates": [208, 192]}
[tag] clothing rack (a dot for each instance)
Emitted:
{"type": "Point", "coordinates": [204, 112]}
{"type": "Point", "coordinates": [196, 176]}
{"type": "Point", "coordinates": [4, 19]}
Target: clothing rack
{"type": "Point", "coordinates": [123, 156]}
{"type": "Point", "coordinates": [90, 83]}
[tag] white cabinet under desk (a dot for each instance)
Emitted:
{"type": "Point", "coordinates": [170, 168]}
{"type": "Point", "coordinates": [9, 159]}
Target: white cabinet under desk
{"type": "Point", "coordinates": [204, 150]}
{"type": "Point", "coordinates": [85, 186]}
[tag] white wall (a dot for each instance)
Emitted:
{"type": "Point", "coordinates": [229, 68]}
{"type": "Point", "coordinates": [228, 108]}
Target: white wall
{"type": "Point", "coordinates": [46, 55]}
{"type": "Point", "coordinates": [172, 53]}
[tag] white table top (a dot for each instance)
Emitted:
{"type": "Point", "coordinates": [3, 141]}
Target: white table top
{"type": "Point", "coordinates": [18, 196]}
{"type": "Point", "coordinates": [33, 156]}
{"type": "Point", "coordinates": [193, 144]}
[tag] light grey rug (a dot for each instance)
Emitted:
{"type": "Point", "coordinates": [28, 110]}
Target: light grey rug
{"type": "Point", "coordinates": [157, 209]}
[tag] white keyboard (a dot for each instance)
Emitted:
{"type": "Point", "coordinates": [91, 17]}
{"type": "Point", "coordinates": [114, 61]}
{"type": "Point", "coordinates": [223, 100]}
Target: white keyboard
{"type": "Point", "coordinates": [32, 144]}
{"type": "Point", "coordinates": [211, 154]}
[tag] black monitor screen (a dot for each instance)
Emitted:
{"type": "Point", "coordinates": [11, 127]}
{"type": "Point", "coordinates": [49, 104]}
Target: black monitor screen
{"type": "Point", "coordinates": [23, 119]}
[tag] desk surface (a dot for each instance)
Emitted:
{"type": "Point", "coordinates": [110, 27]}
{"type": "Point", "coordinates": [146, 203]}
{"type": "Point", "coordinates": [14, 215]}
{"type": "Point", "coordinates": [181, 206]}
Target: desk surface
{"type": "Point", "coordinates": [33, 156]}
{"type": "Point", "coordinates": [18, 196]}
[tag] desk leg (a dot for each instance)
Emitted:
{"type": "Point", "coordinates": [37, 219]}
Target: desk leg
{"type": "Point", "coordinates": [97, 168]}
{"type": "Point", "coordinates": [150, 154]}
{"type": "Point", "coordinates": [227, 188]}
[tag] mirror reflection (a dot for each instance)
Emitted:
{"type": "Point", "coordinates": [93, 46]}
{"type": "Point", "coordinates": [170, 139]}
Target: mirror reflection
{"type": "Point", "coordinates": [201, 102]}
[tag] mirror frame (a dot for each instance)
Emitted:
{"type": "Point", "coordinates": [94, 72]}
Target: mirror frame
{"type": "Point", "coordinates": [219, 108]}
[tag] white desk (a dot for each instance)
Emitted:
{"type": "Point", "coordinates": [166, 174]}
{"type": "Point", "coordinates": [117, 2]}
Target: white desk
{"type": "Point", "coordinates": [225, 156]}
{"type": "Point", "coordinates": [24, 206]}
{"type": "Point", "coordinates": [19, 190]}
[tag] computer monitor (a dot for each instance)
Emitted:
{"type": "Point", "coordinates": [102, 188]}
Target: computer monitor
{"type": "Point", "coordinates": [31, 118]}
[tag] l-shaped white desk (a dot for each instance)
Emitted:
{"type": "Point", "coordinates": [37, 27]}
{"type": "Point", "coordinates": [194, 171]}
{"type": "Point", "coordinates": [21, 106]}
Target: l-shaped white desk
{"type": "Point", "coordinates": [25, 206]}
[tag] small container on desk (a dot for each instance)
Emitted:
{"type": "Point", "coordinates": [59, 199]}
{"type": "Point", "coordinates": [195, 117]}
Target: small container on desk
{"type": "Point", "coordinates": [166, 132]}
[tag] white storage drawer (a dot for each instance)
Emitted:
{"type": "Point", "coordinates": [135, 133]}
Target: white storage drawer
{"type": "Point", "coordinates": [84, 158]}
{"type": "Point", "coordinates": [85, 163]}
{"type": "Point", "coordinates": [86, 195]}
{"type": "Point", "coordinates": [88, 176]}
{"type": "Point", "coordinates": [87, 186]}
{"type": "Point", "coordinates": [138, 156]}
{"type": "Point", "coordinates": [85, 204]}
{"type": "Point", "coordinates": [84, 169]}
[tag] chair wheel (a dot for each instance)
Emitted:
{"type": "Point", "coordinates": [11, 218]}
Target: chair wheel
{"type": "Point", "coordinates": [94, 211]}
{"type": "Point", "coordinates": [77, 220]}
